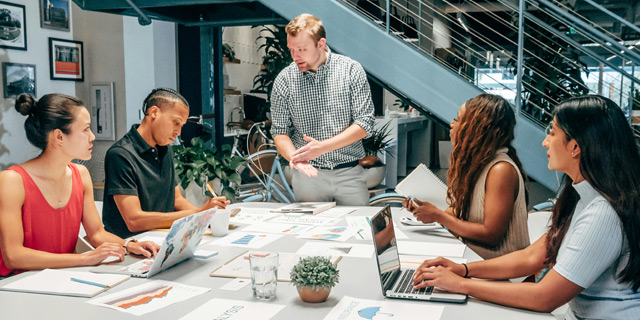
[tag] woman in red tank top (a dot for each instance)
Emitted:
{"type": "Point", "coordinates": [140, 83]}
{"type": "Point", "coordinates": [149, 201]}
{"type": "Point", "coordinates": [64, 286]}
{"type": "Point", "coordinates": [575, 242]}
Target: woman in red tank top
{"type": "Point", "coordinates": [44, 200]}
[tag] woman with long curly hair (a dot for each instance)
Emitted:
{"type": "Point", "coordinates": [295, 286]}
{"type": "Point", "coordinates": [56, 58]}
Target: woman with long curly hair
{"type": "Point", "coordinates": [486, 189]}
{"type": "Point", "coordinates": [593, 244]}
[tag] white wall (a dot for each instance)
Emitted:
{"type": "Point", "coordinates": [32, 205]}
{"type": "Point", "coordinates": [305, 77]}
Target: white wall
{"type": "Point", "coordinates": [14, 146]}
{"type": "Point", "coordinates": [149, 62]}
{"type": "Point", "coordinates": [116, 48]}
{"type": "Point", "coordinates": [242, 40]}
{"type": "Point", "coordinates": [104, 63]}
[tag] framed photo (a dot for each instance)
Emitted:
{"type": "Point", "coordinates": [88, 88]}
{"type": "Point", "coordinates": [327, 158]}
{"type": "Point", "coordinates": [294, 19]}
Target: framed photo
{"type": "Point", "coordinates": [102, 101]}
{"type": "Point", "coordinates": [18, 78]}
{"type": "Point", "coordinates": [13, 26]}
{"type": "Point", "coordinates": [54, 14]}
{"type": "Point", "coordinates": [66, 59]}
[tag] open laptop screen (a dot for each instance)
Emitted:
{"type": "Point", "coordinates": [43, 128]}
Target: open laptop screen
{"type": "Point", "coordinates": [384, 239]}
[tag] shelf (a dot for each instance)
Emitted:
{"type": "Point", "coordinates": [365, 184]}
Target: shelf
{"type": "Point", "coordinates": [232, 92]}
{"type": "Point", "coordinates": [226, 60]}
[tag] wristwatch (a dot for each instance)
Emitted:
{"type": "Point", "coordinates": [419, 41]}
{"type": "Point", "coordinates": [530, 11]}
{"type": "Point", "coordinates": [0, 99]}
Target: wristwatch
{"type": "Point", "coordinates": [126, 242]}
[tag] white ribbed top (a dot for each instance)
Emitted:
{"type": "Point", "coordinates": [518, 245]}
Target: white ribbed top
{"type": "Point", "coordinates": [517, 235]}
{"type": "Point", "coordinates": [592, 253]}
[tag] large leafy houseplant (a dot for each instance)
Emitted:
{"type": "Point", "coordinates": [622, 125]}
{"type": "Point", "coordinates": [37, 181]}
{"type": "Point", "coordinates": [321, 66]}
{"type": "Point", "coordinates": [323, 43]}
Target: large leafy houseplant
{"type": "Point", "coordinates": [201, 164]}
{"type": "Point", "coordinates": [374, 144]}
{"type": "Point", "coordinates": [276, 57]}
{"type": "Point", "coordinates": [314, 277]}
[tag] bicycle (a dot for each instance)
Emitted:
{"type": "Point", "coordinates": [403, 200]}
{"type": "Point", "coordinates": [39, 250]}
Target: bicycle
{"type": "Point", "coordinates": [269, 187]}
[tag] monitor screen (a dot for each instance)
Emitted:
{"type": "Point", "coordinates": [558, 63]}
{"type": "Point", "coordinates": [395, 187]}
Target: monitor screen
{"type": "Point", "coordinates": [384, 240]}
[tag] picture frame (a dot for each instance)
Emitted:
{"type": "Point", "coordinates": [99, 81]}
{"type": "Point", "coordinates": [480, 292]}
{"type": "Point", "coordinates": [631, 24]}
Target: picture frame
{"type": "Point", "coordinates": [13, 26]}
{"type": "Point", "coordinates": [66, 59]}
{"type": "Point", "coordinates": [102, 111]}
{"type": "Point", "coordinates": [18, 78]}
{"type": "Point", "coordinates": [55, 14]}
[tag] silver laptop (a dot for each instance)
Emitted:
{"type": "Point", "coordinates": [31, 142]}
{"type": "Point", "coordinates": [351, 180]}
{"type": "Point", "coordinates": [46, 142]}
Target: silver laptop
{"type": "Point", "coordinates": [397, 282]}
{"type": "Point", "coordinates": [179, 245]}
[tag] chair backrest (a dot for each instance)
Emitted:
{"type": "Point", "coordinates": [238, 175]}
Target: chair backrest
{"type": "Point", "coordinates": [82, 232]}
{"type": "Point", "coordinates": [538, 222]}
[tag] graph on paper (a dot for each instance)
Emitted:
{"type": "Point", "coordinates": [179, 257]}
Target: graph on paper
{"type": "Point", "coordinates": [253, 240]}
{"type": "Point", "coordinates": [148, 297]}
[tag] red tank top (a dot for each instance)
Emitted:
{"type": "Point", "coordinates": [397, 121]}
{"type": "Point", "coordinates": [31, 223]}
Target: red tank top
{"type": "Point", "coordinates": [45, 228]}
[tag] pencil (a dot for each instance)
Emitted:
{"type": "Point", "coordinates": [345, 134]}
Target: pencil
{"type": "Point", "coordinates": [90, 283]}
{"type": "Point", "coordinates": [211, 190]}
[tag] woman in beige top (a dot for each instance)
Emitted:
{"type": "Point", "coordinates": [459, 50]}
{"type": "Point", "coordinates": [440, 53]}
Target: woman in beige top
{"type": "Point", "coordinates": [486, 191]}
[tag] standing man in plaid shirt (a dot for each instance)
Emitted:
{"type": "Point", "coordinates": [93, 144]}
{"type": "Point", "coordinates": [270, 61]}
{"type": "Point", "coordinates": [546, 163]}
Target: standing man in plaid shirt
{"type": "Point", "coordinates": [321, 108]}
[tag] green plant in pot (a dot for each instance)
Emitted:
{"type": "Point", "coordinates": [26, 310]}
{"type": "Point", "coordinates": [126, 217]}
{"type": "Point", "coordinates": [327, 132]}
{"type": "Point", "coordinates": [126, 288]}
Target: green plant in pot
{"type": "Point", "coordinates": [201, 164]}
{"type": "Point", "coordinates": [314, 277]}
{"type": "Point", "coordinates": [374, 144]}
{"type": "Point", "coordinates": [277, 56]}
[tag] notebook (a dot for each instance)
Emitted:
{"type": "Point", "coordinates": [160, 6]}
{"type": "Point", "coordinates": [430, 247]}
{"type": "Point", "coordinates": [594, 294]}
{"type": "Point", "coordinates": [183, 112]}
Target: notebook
{"type": "Point", "coordinates": [396, 282]}
{"type": "Point", "coordinates": [179, 245]}
{"type": "Point", "coordinates": [59, 282]}
{"type": "Point", "coordinates": [306, 207]}
{"type": "Point", "coordinates": [424, 185]}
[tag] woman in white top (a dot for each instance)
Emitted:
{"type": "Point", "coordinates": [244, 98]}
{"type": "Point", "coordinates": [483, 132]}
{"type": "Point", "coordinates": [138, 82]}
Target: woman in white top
{"type": "Point", "coordinates": [593, 244]}
{"type": "Point", "coordinates": [486, 190]}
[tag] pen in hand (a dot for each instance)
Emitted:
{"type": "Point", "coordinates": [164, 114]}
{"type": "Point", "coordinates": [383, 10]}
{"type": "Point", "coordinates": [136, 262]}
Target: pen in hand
{"type": "Point", "coordinates": [90, 283]}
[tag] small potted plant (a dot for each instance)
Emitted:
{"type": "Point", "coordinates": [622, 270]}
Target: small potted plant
{"type": "Point", "coordinates": [314, 277]}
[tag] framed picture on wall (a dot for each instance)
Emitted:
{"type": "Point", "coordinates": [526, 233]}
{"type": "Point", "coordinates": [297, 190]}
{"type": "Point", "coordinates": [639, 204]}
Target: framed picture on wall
{"type": "Point", "coordinates": [55, 14]}
{"type": "Point", "coordinates": [66, 59]}
{"type": "Point", "coordinates": [13, 26]}
{"type": "Point", "coordinates": [18, 78]}
{"type": "Point", "coordinates": [102, 118]}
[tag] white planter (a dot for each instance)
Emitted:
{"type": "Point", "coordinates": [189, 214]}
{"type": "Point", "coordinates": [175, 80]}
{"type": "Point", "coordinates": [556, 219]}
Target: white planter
{"type": "Point", "coordinates": [375, 175]}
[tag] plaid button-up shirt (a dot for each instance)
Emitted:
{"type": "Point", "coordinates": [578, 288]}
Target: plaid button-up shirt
{"type": "Point", "coordinates": [322, 104]}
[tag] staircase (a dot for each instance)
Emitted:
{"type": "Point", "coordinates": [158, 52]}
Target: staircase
{"type": "Point", "coordinates": [418, 77]}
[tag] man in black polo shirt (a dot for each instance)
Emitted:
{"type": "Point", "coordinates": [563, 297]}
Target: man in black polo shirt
{"type": "Point", "coordinates": [141, 192]}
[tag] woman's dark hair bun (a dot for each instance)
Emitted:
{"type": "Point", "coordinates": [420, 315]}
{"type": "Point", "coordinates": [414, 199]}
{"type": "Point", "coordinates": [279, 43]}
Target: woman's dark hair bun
{"type": "Point", "coordinates": [25, 103]}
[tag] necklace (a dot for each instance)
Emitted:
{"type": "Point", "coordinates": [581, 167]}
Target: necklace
{"type": "Point", "coordinates": [61, 188]}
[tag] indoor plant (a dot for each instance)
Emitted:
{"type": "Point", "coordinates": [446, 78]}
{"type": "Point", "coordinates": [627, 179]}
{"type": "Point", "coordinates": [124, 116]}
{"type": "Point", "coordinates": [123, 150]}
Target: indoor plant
{"type": "Point", "coordinates": [200, 164]}
{"type": "Point", "coordinates": [276, 57]}
{"type": "Point", "coordinates": [373, 146]}
{"type": "Point", "coordinates": [314, 277]}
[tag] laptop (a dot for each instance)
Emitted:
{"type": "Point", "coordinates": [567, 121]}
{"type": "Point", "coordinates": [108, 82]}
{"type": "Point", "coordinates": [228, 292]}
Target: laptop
{"type": "Point", "coordinates": [179, 245]}
{"type": "Point", "coordinates": [396, 282]}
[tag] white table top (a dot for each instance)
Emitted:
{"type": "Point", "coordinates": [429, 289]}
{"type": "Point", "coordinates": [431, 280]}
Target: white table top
{"type": "Point", "coordinates": [358, 278]}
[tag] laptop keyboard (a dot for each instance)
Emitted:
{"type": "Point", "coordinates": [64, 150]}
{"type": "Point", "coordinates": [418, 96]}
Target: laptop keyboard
{"type": "Point", "coordinates": [405, 284]}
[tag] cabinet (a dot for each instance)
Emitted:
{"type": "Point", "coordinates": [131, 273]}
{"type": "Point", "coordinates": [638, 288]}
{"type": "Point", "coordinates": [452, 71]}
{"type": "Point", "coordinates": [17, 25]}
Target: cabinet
{"type": "Point", "coordinates": [411, 145]}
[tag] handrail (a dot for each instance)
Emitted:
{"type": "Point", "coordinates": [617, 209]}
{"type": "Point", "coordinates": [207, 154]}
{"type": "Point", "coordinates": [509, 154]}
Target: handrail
{"type": "Point", "coordinates": [487, 38]}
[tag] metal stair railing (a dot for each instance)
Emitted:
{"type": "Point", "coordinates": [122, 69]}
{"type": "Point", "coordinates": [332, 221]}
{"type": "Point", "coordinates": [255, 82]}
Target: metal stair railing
{"type": "Point", "coordinates": [473, 47]}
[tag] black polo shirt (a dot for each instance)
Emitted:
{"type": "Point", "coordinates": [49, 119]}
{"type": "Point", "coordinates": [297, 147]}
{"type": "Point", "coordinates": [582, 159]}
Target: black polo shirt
{"type": "Point", "coordinates": [133, 167]}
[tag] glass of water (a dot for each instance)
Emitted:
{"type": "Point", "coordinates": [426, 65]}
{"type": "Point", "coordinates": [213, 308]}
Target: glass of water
{"type": "Point", "coordinates": [264, 274]}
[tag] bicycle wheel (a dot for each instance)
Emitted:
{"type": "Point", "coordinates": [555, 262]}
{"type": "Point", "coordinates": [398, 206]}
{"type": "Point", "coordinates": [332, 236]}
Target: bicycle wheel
{"type": "Point", "coordinates": [391, 199]}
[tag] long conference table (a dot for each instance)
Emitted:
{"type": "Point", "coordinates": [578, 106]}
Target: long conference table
{"type": "Point", "coordinates": [358, 278]}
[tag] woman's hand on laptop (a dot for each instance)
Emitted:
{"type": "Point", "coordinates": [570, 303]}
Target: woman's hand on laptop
{"type": "Point", "coordinates": [440, 272]}
{"type": "Point", "coordinates": [147, 249]}
{"type": "Point", "coordinates": [103, 251]}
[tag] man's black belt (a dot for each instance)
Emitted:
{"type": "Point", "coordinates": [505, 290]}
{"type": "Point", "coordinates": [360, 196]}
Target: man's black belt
{"type": "Point", "coordinates": [340, 166]}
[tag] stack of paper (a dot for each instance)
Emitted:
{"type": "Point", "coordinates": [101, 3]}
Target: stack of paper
{"type": "Point", "coordinates": [66, 283]}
